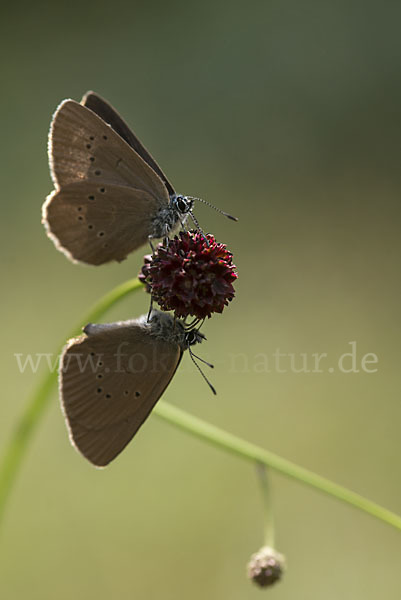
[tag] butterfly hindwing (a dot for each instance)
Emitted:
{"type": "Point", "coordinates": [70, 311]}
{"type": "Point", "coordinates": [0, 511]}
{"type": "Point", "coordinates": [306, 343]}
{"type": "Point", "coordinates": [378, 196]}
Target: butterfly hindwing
{"type": "Point", "coordinates": [110, 381]}
{"type": "Point", "coordinates": [96, 224]}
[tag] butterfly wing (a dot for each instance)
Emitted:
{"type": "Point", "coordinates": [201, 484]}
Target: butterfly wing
{"type": "Point", "coordinates": [82, 146]}
{"type": "Point", "coordinates": [110, 381]}
{"type": "Point", "coordinates": [109, 115]}
{"type": "Point", "coordinates": [97, 224]}
{"type": "Point", "coordinates": [88, 159]}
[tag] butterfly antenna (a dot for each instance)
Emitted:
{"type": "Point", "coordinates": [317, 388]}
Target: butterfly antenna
{"type": "Point", "coordinates": [191, 354]}
{"type": "Point", "coordinates": [202, 360]}
{"type": "Point", "coordinates": [215, 208]}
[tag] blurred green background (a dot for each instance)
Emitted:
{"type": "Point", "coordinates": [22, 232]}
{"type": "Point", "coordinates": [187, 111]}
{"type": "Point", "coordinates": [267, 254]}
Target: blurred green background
{"type": "Point", "coordinates": [286, 114]}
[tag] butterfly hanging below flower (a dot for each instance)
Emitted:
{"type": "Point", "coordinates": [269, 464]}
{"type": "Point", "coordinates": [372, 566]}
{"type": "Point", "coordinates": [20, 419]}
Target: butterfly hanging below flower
{"type": "Point", "coordinates": [112, 376]}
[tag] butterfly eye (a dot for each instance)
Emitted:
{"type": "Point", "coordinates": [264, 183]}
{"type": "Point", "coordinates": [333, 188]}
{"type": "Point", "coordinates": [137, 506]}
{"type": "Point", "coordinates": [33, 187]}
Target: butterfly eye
{"type": "Point", "coordinates": [182, 204]}
{"type": "Point", "coordinates": [191, 338]}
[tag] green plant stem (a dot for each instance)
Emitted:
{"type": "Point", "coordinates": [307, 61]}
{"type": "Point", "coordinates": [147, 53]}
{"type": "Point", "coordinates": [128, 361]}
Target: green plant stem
{"type": "Point", "coordinates": [30, 419]}
{"type": "Point", "coordinates": [249, 451]}
{"type": "Point", "coordinates": [267, 499]}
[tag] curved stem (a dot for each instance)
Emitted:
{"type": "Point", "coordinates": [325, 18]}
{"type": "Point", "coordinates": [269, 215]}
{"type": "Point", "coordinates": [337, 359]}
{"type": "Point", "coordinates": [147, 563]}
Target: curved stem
{"type": "Point", "coordinates": [18, 444]}
{"type": "Point", "coordinates": [17, 447]}
{"type": "Point", "coordinates": [249, 451]}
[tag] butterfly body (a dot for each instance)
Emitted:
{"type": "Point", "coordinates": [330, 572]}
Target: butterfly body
{"type": "Point", "coordinates": [169, 218]}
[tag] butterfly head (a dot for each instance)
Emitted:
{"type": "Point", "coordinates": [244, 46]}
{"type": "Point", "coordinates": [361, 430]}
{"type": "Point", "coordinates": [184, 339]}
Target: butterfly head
{"type": "Point", "coordinates": [182, 204]}
{"type": "Point", "coordinates": [163, 326]}
{"type": "Point", "coordinates": [192, 337]}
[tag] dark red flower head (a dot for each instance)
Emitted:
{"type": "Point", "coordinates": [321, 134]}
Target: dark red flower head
{"type": "Point", "coordinates": [190, 275]}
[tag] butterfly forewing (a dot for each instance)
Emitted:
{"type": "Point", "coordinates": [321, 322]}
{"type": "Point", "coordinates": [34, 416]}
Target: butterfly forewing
{"type": "Point", "coordinates": [109, 382]}
{"type": "Point", "coordinates": [83, 146]}
{"type": "Point", "coordinates": [95, 224]}
{"type": "Point", "coordinates": [109, 115]}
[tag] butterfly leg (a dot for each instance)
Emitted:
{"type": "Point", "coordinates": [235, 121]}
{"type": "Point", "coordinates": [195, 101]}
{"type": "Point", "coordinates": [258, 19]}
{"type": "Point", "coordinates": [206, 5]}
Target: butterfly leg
{"type": "Point", "coordinates": [165, 238]}
{"type": "Point", "coordinates": [151, 245]}
{"type": "Point", "coordinates": [198, 227]}
{"type": "Point", "coordinates": [150, 309]}
{"type": "Point", "coordinates": [183, 226]}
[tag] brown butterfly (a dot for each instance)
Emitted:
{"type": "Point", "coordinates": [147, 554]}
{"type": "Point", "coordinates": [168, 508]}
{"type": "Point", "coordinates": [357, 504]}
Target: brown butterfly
{"type": "Point", "coordinates": [111, 197]}
{"type": "Point", "coordinates": [112, 376]}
